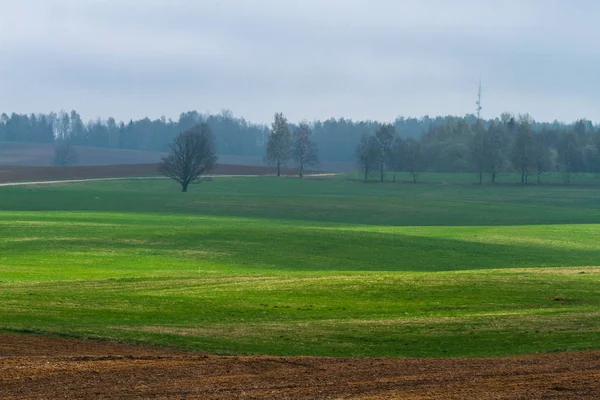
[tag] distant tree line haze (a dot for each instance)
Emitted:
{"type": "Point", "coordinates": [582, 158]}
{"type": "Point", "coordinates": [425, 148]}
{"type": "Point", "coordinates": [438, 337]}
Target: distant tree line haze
{"type": "Point", "coordinates": [508, 143]}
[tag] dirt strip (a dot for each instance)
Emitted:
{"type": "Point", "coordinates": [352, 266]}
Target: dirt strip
{"type": "Point", "coordinates": [20, 174]}
{"type": "Point", "coordinates": [34, 367]}
{"type": "Point", "coordinates": [37, 183]}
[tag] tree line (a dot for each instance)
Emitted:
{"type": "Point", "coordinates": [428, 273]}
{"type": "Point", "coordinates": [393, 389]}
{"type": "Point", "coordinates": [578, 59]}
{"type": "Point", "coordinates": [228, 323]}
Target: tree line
{"type": "Point", "coordinates": [507, 144]}
{"type": "Point", "coordinates": [441, 144]}
{"type": "Point", "coordinates": [193, 154]}
{"type": "Point", "coordinates": [336, 138]}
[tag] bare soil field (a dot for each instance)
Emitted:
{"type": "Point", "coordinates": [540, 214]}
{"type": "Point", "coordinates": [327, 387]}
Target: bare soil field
{"type": "Point", "coordinates": [20, 174]}
{"type": "Point", "coordinates": [42, 154]}
{"type": "Point", "coordinates": [50, 368]}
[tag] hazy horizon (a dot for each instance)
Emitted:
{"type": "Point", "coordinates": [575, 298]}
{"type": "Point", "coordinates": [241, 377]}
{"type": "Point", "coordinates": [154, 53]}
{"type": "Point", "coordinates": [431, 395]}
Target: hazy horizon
{"type": "Point", "coordinates": [356, 59]}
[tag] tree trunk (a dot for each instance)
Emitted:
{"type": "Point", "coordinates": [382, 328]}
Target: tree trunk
{"type": "Point", "coordinates": [494, 177]}
{"type": "Point", "coordinates": [414, 174]}
{"type": "Point", "coordinates": [278, 169]}
{"type": "Point", "coordinates": [381, 171]}
{"type": "Point", "coordinates": [301, 170]}
{"type": "Point", "coordinates": [184, 187]}
{"type": "Point", "coordinates": [522, 176]}
{"type": "Point", "coordinates": [539, 174]}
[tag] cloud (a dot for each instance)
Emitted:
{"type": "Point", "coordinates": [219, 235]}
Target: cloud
{"type": "Point", "coordinates": [310, 59]}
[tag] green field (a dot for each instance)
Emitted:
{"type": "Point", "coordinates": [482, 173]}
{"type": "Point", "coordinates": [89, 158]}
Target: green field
{"type": "Point", "coordinates": [290, 267]}
{"type": "Point", "coordinates": [510, 178]}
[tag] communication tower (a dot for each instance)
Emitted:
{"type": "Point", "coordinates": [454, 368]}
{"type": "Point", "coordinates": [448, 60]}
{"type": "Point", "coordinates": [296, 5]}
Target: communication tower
{"type": "Point", "coordinates": [479, 108]}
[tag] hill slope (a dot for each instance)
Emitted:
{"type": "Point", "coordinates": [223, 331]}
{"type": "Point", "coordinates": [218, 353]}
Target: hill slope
{"type": "Point", "coordinates": [41, 155]}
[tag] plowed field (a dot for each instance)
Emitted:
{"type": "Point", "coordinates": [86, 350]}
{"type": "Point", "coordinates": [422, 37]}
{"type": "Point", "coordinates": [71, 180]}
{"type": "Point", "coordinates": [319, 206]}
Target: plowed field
{"type": "Point", "coordinates": [49, 368]}
{"type": "Point", "coordinates": [16, 174]}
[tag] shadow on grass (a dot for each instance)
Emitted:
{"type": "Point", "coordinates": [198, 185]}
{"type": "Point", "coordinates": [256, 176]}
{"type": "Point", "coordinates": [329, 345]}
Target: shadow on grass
{"type": "Point", "coordinates": [280, 248]}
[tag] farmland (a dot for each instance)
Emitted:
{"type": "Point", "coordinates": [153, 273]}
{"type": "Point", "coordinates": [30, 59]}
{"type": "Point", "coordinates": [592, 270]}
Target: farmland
{"type": "Point", "coordinates": [15, 174]}
{"type": "Point", "coordinates": [24, 154]}
{"type": "Point", "coordinates": [287, 267]}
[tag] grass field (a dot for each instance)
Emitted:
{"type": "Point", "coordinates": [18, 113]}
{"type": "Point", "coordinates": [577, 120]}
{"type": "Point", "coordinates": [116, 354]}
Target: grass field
{"type": "Point", "coordinates": [470, 178]}
{"type": "Point", "coordinates": [289, 267]}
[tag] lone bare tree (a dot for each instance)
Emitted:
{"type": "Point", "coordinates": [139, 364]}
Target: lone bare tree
{"type": "Point", "coordinates": [192, 155]}
{"type": "Point", "coordinates": [279, 143]}
{"type": "Point", "coordinates": [64, 155]}
{"type": "Point", "coordinates": [304, 150]}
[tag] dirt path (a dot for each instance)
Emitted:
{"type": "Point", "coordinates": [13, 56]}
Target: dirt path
{"type": "Point", "coordinates": [30, 183]}
{"type": "Point", "coordinates": [15, 174]}
{"type": "Point", "coordinates": [65, 181]}
{"type": "Point", "coordinates": [46, 368]}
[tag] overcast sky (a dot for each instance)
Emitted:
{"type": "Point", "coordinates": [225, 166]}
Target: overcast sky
{"type": "Point", "coordinates": [310, 59]}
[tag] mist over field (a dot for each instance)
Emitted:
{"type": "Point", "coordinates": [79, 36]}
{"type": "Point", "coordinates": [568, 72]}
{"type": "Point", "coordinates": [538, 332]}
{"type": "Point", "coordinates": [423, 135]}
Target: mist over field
{"type": "Point", "coordinates": [356, 59]}
{"type": "Point", "coordinates": [130, 76]}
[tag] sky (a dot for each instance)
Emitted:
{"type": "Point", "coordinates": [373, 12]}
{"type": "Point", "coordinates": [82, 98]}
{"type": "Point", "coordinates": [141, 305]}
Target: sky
{"type": "Point", "coordinates": [310, 59]}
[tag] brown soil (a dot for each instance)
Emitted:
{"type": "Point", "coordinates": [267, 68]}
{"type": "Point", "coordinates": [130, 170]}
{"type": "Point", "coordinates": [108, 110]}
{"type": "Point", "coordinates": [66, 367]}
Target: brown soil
{"type": "Point", "coordinates": [50, 368]}
{"type": "Point", "coordinates": [18, 174]}
{"type": "Point", "coordinates": [42, 154]}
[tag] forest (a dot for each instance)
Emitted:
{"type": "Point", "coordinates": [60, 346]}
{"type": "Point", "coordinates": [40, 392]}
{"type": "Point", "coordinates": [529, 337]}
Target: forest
{"type": "Point", "coordinates": [508, 143]}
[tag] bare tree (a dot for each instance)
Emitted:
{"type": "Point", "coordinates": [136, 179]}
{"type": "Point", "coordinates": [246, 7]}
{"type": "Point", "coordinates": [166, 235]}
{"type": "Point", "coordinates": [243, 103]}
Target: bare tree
{"type": "Point", "coordinates": [542, 156]}
{"type": "Point", "coordinates": [479, 149]}
{"type": "Point", "coordinates": [385, 136]}
{"type": "Point", "coordinates": [64, 155]}
{"type": "Point", "coordinates": [569, 154]}
{"type": "Point", "coordinates": [303, 149]}
{"type": "Point", "coordinates": [279, 143]}
{"type": "Point", "coordinates": [367, 154]}
{"type": "Point", "coordinates": [395, 159]}
{"type": "Point", "coordinates": [498, 140]}
{"type": "Point", "coordinates": [192, 155]}
{"type": "Point", "coordinates": [413, 157]}
{"type": "Point", "coordinates": [509, 123]}
{"type": "Point", "coordinates": [522, 148]}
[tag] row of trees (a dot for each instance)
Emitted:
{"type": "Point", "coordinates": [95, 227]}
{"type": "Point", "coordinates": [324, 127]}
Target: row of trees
{"type": "Point", "coordinates": [445, 140]}
{"type": "Point", "coordinates": [233, 135]}
{"type": "Point", "coordinates": [336, 138]}
{"type": "Point", "coordinates": [507, 144]}
{"type": "Point", "coordinates": [387, 151]}
{"type": "Point", "coordinates": [285, 144]}
{"type": "Point", "coordinates": [442, 144]}
{"type": "Point", "coordinates": [193, 152]}
{"type": "Point", "coordinates": [510, 144]}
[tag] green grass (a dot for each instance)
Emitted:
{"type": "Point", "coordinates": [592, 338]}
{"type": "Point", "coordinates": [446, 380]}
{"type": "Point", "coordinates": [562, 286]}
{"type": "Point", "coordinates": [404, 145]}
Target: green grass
{"type": "Point", "coordinates": [288, 267]}
{"type": "Point", "coordinates": [466, 178]}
